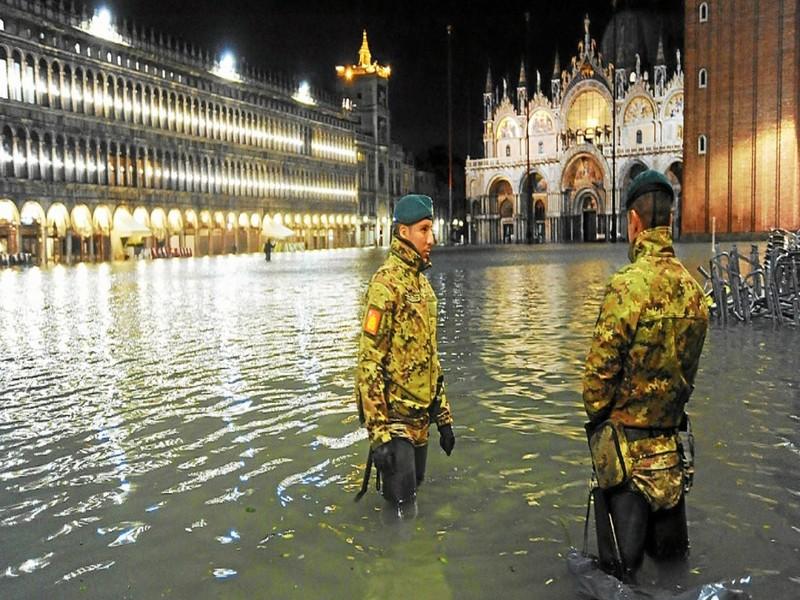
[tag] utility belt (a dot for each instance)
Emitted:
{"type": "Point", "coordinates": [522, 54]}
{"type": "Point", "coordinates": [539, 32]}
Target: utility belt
{"type": "Point", "coordinates": [611, 457]}
{"type": "Point", "coordinates": [634, 434]}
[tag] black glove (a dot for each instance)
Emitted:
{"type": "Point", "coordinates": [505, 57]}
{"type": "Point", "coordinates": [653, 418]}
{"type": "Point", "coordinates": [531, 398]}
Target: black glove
{"type": "Point", "coordinates": [447, 438]}
{"type": "Point", "coordinates": [383, 457]}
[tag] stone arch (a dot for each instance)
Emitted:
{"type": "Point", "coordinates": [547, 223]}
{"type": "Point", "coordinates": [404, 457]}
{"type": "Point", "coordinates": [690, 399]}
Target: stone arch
{"type": "Point", "coordinates": [674, 173]}
{"type": "Point", "coordinates": [575, 116]}
{"type": "Point", "coordinates": [158, 224]}
{"type": "Point", "coordinates": [583, 170]}
{"type": "Point", "coordinates": [81, 221]}
{"type": "Point", "coordinates": [588, 205]}
{"type": "Point", "coordinates": [630, 170]}
{"type": "Point", "coordinates": [57, 219]}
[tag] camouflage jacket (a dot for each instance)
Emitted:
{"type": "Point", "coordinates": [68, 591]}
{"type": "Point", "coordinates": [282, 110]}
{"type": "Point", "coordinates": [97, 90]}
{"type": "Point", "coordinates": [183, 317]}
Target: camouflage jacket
{"type": "Point", "coordinates": [644, 357]}
{"type": "Point", "coordinates": [399, 374]}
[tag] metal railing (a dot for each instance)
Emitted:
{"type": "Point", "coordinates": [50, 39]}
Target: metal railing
{"type": "Point", "coordinates": [741, 288]}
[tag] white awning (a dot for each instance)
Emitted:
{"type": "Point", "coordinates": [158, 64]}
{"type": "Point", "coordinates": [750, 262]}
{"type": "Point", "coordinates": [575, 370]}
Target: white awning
{"type": "Point", "coordinates": [127, 227]}
{"type": "Point", "coordinates": [278, 231]}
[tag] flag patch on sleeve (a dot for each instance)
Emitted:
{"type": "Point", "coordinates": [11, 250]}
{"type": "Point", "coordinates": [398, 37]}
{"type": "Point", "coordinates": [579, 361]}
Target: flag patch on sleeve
{"type": "Point", "coordinates": [372, 322]}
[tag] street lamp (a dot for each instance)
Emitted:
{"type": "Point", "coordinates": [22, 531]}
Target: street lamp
{"type": "Point", "coordinates": [614, 128]}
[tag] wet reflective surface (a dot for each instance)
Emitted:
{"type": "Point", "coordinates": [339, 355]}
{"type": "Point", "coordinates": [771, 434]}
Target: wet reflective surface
{"type": "Point", "coordinates": [184, 428]}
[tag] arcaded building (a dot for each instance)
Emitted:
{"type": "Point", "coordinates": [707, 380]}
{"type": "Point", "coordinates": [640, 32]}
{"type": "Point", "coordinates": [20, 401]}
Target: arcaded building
{"type": "Point", "coordinates": [555, 167]}
{"type": "Point", "coordinates": [742, 124]}
{"type": "Point", "coordinates": [118, 141]}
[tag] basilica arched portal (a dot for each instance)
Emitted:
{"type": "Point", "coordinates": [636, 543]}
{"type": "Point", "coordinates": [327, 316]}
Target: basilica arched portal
{"type": "Point", "coordinates": [583, 188]}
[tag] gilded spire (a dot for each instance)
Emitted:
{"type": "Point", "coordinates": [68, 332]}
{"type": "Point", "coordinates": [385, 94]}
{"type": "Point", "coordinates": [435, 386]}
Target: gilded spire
{"type": "Point", "coordinates": [364, 55]}
{"type": "Point", "coordinates": [365, 65]}
{"type": "Point", "coordinates": [557, 67]}
{"type": "Point", "coordinates": [522, 79]}
{"type": "Point", "coordinates": [488, 87]}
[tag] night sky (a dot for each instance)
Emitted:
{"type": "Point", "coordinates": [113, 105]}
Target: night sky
{"type": "Point", "coordinates": [307, 39]}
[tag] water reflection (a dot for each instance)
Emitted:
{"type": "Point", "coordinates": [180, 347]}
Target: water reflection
{"type": "Point", "coordinates": [189, 423]}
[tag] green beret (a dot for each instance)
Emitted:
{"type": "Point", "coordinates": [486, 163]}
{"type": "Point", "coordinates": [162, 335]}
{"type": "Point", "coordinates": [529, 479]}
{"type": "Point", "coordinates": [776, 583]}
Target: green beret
{"type": "Point", "coordinates": [645, 182]}
{"type": "Point", "coordinates": [413, 208]}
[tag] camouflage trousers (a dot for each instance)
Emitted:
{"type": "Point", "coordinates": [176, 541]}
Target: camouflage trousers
{"type": "Point", "coordinates": [656, 470]}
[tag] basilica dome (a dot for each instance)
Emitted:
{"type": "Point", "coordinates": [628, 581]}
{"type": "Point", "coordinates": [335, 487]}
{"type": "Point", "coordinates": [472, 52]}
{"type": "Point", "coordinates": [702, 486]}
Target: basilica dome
{"type": "Point", "coordinates": [638, 31]}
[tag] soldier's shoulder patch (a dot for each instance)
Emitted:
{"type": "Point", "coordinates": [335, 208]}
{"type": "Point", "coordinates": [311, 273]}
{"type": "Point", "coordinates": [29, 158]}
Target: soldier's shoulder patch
{"type": "Point", "coordinates": [372, 320]}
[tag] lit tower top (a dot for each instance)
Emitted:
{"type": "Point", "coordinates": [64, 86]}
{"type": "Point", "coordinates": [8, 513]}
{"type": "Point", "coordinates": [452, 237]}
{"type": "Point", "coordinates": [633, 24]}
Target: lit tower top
{"type": "Point", "coordinates": [365, 65]}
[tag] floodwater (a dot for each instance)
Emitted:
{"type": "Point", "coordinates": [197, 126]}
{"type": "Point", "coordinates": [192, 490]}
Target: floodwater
{"type": "Point", "coordinates": [184, 428]}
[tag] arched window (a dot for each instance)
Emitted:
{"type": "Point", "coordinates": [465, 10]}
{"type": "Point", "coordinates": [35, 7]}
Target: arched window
{"type": "Point", "coordinates": [88, 94]}
{"type": "Point", "coordinates": [702, 78]}
{"type": "Point", "coordinates": [703, 12]}
{"type": "Point", "coordinates": [119, 101]}
{"type": "Point", "coordinates": [55, 85]}
{"type": "Point", "coordinates": [46, 158]}
{"type": "Point", "coordinates": [21, 157]}
{"type": "Point", "coordinates": [92, 172]}
{"type": "Point", "coordinates": [639, 136]}
{"type": "Point", "coordinates": [102, 163]}
{"type": "Point", "coordinates": [77, 93]}
{"type": "Point", "coordinates": [98, 86]}
{"type": "Point", "coordinates": [3, 73]}
{"type": "Point", "coordinates": [508, 150]}
{"type": "Point", "coordinates": [128, 101]}
{"type": "Point", "coordinates": [702, 144]}
{"type": "Point", "coordinates": [81, 165]}
{"type": "Point", "coordinates": [112, 166]}
{"type": "Point", "coordinates": [69, 161]}
{"type": "Point", "coordinates": [28, 82]}
{"type": "Point", "coordinates": [15, 77]}
{"type": "Point", "coordinates": [7, 153]}
{"type": "Point", "coordinates": [43, 93]}
{"type": "Point", "coordinates": [541, 147]}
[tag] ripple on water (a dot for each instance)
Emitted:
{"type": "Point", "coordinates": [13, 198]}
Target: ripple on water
{"type": "Point", "coordinates": [214, 397]}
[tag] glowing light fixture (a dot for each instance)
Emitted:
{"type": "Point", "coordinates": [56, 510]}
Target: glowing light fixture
{"type": "Point", "coordinates": [226, 68]}
{"type": "Point", "coordinates": [101, 26]}
{"type": "Point", "coordinates": [303, 94]}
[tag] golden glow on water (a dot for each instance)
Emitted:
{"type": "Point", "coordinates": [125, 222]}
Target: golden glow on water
{"type": "Point", "coordinates": [197, 414]}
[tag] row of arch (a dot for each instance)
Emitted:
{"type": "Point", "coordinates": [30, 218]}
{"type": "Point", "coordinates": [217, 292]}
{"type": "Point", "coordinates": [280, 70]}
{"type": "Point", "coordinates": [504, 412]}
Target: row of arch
{"type": "Point", "coordinates": [106, 226]}
{"type": "Point", "coordinates": [580, 209]}
{"type": "Point", "coordinates": [58, 158]}
{"type": "Point", "coordinates": [50, 84]}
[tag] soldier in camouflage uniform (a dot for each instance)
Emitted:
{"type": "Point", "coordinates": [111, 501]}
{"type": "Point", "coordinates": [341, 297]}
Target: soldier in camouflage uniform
{"type": "Point", "coordinates": [399, 383]}
{"type": "Point", "coordinates": [640, 373]}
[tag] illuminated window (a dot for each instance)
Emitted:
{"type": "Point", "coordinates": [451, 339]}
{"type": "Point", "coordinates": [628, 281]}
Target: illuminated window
{"type": "Point", "coordinates": [3, 26]}
{"type": "Point", "coordinates": [77, 48]}
{"type": "Point", "coordinates": [701, 144]}
{"type": "Point", "coordinates": [702, 78]}
{"type": "Point", "coordinates": [108, 57]}
{"type": "Point", "coordinates": [703, 10]}
{"type": "Point", "coordinates": [588, 111]}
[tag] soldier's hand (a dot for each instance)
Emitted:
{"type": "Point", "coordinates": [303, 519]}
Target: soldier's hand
{"type": "Point", "coordinates": [383, 457]}
{"type": "Point", "coordinates": [447, 439]}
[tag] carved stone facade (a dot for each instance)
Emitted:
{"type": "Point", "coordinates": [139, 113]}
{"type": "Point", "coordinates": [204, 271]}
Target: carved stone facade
{"type": "Point", "coordinates": [118, 141]}
{"type": "Point", "coordinates": [551, 162]}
